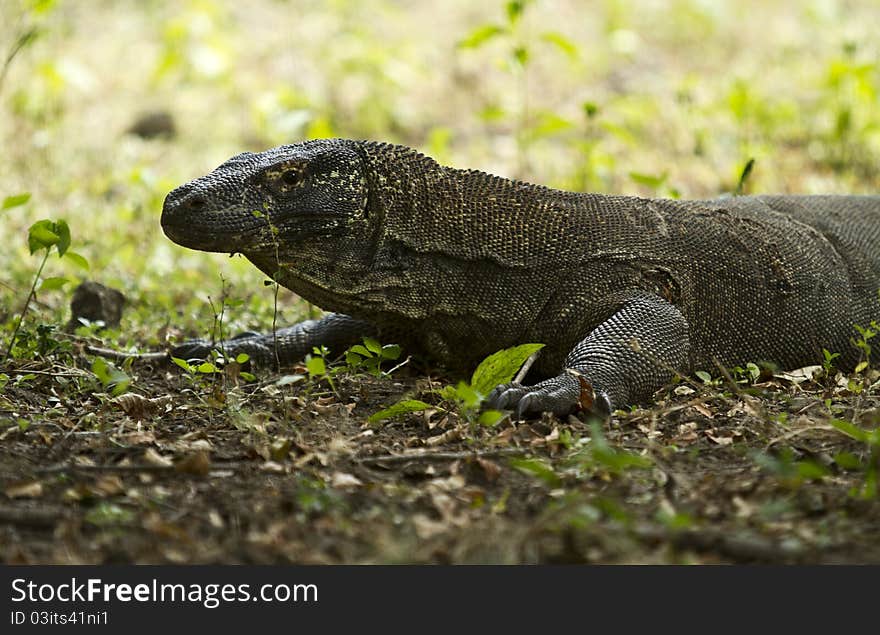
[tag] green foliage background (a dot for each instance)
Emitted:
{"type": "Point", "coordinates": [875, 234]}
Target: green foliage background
{"type": "Point", "coordinates": [654, 98]}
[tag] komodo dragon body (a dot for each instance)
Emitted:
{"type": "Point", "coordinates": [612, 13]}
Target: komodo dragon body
{"type": "Point", "coordinates": [457, 264]}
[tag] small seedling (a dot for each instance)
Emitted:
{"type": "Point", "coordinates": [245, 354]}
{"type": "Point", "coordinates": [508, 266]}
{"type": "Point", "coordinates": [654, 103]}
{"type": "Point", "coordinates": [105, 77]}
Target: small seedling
{"type": "Point", "coordinates": [42, 235]}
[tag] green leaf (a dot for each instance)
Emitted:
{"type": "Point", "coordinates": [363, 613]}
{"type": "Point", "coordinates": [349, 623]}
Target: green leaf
{"type": "Point", "coordinates": [78, 260]}
{"type": "Point", "coordinates": [561, 42]}
{"type": "Point", "coordinates": [515, 10]}
{"type": "Point", "coordinates": [447, 393]}
{"type": "Point", "coordinates": [468, 396]}
{"type": "Point", "coordinates": [353, 359]}
{"type": "Point", "coordinates": [491, 418]}
{"type": "Point", "coordinates": [810, 470]}
{"type": "Point", "coordinates": [316, 366]}
{"type": "Point", "coordinates": [500, 367]}
{"type": "Point", "coordinates": [14, 201]}
{"type": "Point", "coordinates": [360, 350]}
{"type": "Point", "coordinates": [41, 235]}
{"type": "Point", "coordinates": [400, 408]}
{"type": "Point", "coordinates": [590, 108]}
{"type": "Point", "coordinates": [63, 232]}
{"type": "Point", "coordinates": [743, 177]}
{"type": "Point", "coordinates": [391, 351]}
{"type": "Point", "coordinates": [241, 358]}
{"type": "Point", "coordinates": [861, 366]}
{"type": "Point", "coordinates": [850, 430]}
{"type": "Point", "coordinates": [847, 461]}
{"type": "Point", "coordinates": [372, 345]}
{"type": "Point", "coordinates": [539, 469]}
{"type": "Point", "coordinates": [521, 55]}
{"type": "Point", "coordinates": [53, 284]}
{"type": "Point", "coordinates": [703, 376]}
{"type": "Point", "coordinates": [206, 368]}
{"type": "Point", "coordinates": [113, 379]}
{"type": "Point", "coordinates": [648, 179]}
{"type": "Point", "coordinates": [480, 36]}
{"type": "Point", "coordinates": [182, 363]}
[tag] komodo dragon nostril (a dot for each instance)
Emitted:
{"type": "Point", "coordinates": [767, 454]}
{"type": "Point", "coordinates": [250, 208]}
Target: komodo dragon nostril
{"type": "Point", "coordinates": [195, 203]}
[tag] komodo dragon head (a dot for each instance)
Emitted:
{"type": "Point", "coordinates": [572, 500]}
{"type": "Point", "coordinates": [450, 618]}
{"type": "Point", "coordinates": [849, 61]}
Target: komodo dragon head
{"type": "Point", "coordinates": [286, 196]}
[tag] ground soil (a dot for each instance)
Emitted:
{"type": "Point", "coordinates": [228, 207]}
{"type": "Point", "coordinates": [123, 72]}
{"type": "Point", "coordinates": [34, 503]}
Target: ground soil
{"type": "Point", "coordinates": [214, 470]}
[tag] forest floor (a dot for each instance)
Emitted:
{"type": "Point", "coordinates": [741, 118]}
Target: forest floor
{"type": "Point", "coordinates": [150, 462]}
{"type": "Point", "coordinates": [201, 470]}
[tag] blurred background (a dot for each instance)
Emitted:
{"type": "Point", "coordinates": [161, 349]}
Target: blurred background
{"type": "Point", "coordinates": [107, 105]}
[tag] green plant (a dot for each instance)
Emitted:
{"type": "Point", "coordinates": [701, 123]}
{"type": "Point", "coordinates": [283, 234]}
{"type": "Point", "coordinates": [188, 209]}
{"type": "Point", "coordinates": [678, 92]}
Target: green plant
{"type": "Point", "coordinates": [369, 357]}
{"type": "Point", "coordinates": [42, 235]}
{"type": "Point", "coordinates": [114, 380]}
{"type": "Point", "coordinates": [467, 397]}
{"type": "Point", "coordinates": [319, 368]}
{"type": "Point", "coordinates": [597, 454]}
{"type": "Point", "coordinates": [519, 44]}
{"type": "Point", "coordinates": [869, 465]}
{"type": "Point", "coordinates": [791, 471]}
{"type": "Point", "coordinates": [828, 361]}
{"type": "Point", "coordinates": [863, 343]}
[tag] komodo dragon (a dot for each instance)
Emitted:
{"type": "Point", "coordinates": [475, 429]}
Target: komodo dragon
{"type": "Point", "coordinates": [457, 264]}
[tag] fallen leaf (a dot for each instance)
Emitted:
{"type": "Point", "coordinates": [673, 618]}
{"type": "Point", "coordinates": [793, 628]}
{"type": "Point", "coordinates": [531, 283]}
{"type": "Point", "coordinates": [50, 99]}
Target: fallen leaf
{"type": "Point", "coordinates": [342, 480]}
{"type": "Point", "coordinates": [139, 407]}
{"type": "Point", "coordinates": [720, 440]}
{"type": "Point", "coordinates": [272, 467]}
{"type": "Point", "coordinates": [799, 375]}
{"type": "Point", "coordinates": [198, 463]}
{"type": "Point", "coordinates": [108, 485]}
{"type": "Point", "coordinates": [703, 410]}
{"type": "Point", "coordinates": [152, 457]}
{"type": "Point", "coordinates": [28, 489]}
{"type": "Point", "coordinates": [491, 469]}
{"type": "Point", "coordinates": [449, 435]}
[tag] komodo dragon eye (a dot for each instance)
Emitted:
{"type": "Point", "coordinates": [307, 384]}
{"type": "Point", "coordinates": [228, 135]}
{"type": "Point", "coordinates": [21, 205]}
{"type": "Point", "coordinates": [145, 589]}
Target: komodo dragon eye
{"type": "Point", "coordinates": [285, 177]}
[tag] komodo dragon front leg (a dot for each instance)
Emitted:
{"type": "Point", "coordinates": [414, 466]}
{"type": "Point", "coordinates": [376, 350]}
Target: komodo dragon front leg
{"type": "Point", "coordinates": [285, 346]}
{"type": "Point", "coordinates": [626, 358]}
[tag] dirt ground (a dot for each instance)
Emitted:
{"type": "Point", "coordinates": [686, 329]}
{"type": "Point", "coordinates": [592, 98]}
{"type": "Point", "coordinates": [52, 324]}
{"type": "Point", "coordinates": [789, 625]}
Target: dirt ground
{"type": "Point", "coordinates": [201, 470]}
{"type": "Point", "coordinates": [639, 98]}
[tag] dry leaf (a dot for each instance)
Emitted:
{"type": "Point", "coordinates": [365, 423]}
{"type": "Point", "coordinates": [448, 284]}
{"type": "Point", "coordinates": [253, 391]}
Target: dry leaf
{"type": "Point", "coordinates": [152, 457]}
{"type": "Point", "coordinates": [703, 410]}
{"type": "Point", "coordinates": [139, 407]}
{"type": "Point", "coordinates": [719, 439]}
{"type": "Point", "coordinates": [342, 480]}
{"type": "Point", "coordinates": [427, 528]}
{"type": "Point", "coordinates": [491, 469]}
{"type": "Point", "coordinates": [799, 375]}
{"type": "Point", "coordinates": [272, 467]}
{"type": "Point", "coordinates": [449, 435]}
{"type": "Point", "coordinates": [198, 463]}
{"type": "Point", "coordinates": [108, 485]}
{"type": "Point", "coordinates": [29, 489]}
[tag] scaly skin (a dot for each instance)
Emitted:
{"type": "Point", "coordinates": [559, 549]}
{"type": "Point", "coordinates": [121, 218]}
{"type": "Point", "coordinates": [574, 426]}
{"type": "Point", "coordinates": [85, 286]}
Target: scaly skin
{"type": "Point", "coordinates": [457, 264]}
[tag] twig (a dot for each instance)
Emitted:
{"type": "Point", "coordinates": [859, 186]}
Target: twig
{"type": "Point", "coordinates": [794, 433]}
{"type": "Point", "coordinates": [526, 366]}
{"type": "Point", "coordinates": [51, 373]}
{"type": "Point", "coordinates": [748, 548]}
{"type": "Point", "coordinates": [441, 456]}
{"type": "Point", "coordinates": [122, 469]}
{"type": "Point", "coordinates": [135, 469]}
{"type": "Point", "coordinates": [31, 517]}
{"type": "Point", "coordinates": [119, 355]}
